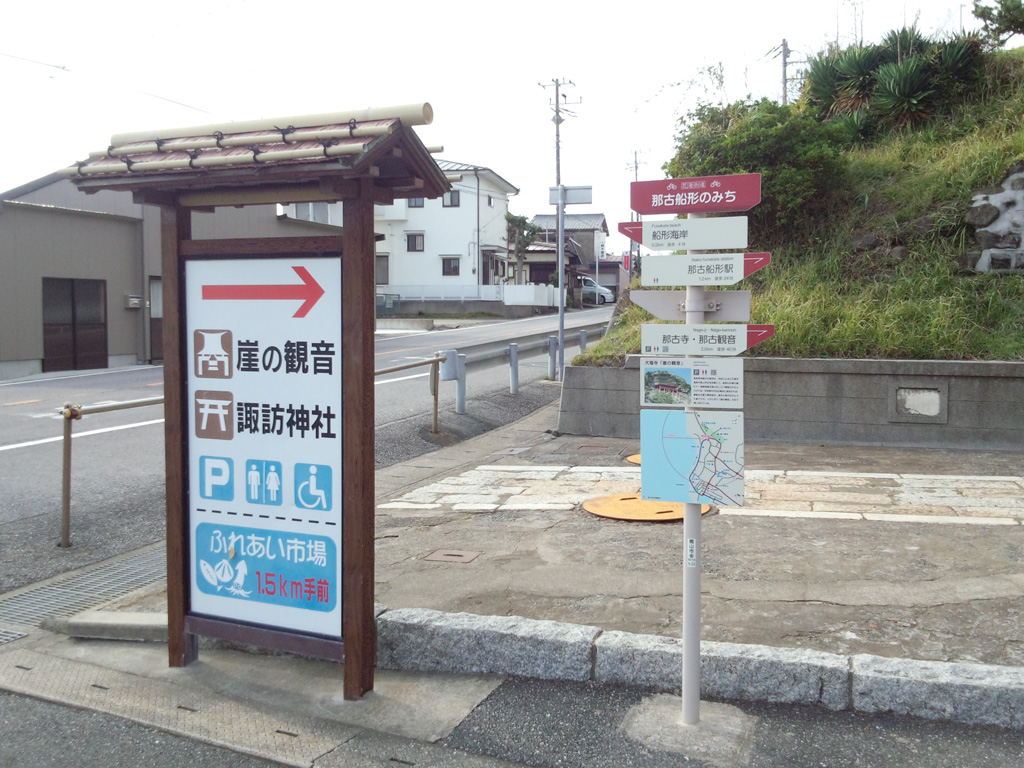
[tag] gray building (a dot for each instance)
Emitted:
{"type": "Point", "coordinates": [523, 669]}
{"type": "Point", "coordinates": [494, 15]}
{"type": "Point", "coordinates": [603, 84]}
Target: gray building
{"type": "Point", "coordinates": [81, 273]}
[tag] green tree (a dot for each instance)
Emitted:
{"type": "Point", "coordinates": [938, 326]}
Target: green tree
{"type": "Point", "coordinates": [801, 161]}
{"type": "Point", "coordinates": [520, 234]}
{"type": "Point", "coordinates": [1002, 19]}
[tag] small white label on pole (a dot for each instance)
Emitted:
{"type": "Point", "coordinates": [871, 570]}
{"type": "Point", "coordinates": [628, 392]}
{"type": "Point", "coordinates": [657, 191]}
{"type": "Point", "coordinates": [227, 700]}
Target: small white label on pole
{"type": "Point", "coordinates": [691, 553]}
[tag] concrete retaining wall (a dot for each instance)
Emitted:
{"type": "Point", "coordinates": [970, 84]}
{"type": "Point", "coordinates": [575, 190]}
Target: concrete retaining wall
{"type": "Point", "coordinates": [889, 402]}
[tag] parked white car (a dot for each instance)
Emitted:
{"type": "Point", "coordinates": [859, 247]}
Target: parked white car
{"type": "Point", "coordinates": [594, 293]}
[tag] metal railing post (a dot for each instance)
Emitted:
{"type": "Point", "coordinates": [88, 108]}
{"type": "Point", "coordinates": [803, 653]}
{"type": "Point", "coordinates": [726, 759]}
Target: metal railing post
{"type": "Point", "coordinates": [460, 386]}
{"type": "Point", "coordinates": [583, 341]}
{"type": "Point", "coordinates": [70, 413]}
{"type": "Point", "coordinates": [435, 388]}
{"type": "Point", "coordinates": [552, 356]}
{"type": "Point", "coordinates": [433, 377]}
{"type": "Point", "coordinates": [513, 368]}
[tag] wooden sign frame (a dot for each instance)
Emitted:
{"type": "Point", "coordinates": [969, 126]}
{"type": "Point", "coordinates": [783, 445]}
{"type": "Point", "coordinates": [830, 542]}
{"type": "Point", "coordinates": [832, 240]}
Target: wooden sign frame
{"type": "Point", "coordinates": [355, 247]}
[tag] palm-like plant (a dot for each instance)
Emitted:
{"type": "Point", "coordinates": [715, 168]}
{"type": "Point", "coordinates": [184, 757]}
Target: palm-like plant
{"type": "Point", "coordinates": [855, 78]}
{"type": "Point", "coordinates": [957, 64]}
{"type": "Point", "coordinates": [822, 82]}
{"type": "Point", "coordinates": [859, 126]}
{"type": "Point", "coordinates": [904, 92]}
{"type": "Point", "coordinates": [905, 43]}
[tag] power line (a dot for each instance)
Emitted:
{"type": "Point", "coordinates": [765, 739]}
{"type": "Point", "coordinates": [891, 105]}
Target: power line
{"type": "Point", "coordinates": [62, 68]}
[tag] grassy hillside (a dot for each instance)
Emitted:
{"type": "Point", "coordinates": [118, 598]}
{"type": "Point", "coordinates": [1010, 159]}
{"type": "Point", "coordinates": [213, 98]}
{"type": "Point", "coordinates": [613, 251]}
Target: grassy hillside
{"type": "Point", "coordinates": [872, 262]}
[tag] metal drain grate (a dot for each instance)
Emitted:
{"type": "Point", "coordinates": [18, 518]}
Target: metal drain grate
{"type": "Point", "coordinates": [9, 637]}
{"type": "Point", "coordinates": [86, 589]}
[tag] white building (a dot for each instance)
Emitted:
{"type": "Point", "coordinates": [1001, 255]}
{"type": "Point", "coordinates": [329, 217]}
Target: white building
{"type": "Point", "coordinates": [446, 254]}
{"type": "Point", "coordinates": [452, 248]}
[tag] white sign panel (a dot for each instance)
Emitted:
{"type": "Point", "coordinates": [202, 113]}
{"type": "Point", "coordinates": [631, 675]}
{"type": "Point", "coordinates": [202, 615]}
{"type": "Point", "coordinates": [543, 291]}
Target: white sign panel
{"type": "Point", "coordinates": [695, 234]}
{"type": "Point", "coordinates": [693, 457]}
{"type": "Point", "coordinates": [264, 440]}
{"type": "Point", "coordinates": [678, 382]}
{"type": "Point", "coordinates": [692, 269]}
{"type": "Point", "coordinates": [704, 339]}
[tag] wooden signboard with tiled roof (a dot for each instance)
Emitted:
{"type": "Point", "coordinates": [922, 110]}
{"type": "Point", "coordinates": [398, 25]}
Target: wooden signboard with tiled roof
{"type": "Point", "coordinates": [269, 398]}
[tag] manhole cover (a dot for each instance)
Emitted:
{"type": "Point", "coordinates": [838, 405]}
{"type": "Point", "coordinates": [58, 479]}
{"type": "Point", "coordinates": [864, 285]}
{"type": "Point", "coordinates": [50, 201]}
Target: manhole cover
{"type": "Point", "coordinates": [631, 507]}
{"type": "Point", "coordinates": [634, 459]}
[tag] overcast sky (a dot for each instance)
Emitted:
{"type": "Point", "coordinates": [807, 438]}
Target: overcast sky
{"type": "Point", "coordinates": [73, 74]}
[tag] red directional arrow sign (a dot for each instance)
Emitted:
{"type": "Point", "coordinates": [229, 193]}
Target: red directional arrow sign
{"type": "Point", "coordinates": [758, 333]}
{"type": "Point", "coordinates": [634, 230]}
{"type": "Point", "coordinates": [308, 292]}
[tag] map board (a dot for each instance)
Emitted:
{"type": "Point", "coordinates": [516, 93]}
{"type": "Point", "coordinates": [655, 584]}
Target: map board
{"type": "Point", "coordinates": [678, 382]}
{"type": "Point", "coordinates": [693, 457]}
{"type": "Point", "coordinates": [264, 398]}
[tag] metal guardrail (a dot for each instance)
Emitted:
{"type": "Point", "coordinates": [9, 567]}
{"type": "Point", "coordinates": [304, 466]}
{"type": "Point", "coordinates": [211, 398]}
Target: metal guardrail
{"type": "Point", "coordinates": [74, 413]}
{"type": "Point", "coordinates": [434, 364]}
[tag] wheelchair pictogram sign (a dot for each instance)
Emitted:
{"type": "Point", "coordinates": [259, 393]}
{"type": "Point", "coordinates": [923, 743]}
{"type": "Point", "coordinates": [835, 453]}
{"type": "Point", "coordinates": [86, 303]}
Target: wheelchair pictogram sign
{"type": "Point", "coordinates": [313, 487]}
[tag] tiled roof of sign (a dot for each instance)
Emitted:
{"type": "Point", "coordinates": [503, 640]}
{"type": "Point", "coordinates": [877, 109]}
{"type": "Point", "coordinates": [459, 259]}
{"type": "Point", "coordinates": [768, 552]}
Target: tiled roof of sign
{"type": "Point", "coordinates": [218, 150]}
{"type": "Point", "coordinates": [373, 143]}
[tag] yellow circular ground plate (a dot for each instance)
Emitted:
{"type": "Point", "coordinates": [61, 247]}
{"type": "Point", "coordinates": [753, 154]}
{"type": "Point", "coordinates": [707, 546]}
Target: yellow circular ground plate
{"type": "Point", "coordinates": [634, 459]}
{"type": "Point", "coordinates": [629, 506]}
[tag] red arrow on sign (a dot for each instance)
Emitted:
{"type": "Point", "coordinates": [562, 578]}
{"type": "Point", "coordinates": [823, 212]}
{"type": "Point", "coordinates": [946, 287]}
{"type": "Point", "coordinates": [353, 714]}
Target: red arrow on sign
{"type": "Point", "coordinates": [308, 292]}
{"type": "Point", "coordinates": [634, 230]}
{"type": "Point", "coordinates": [752, 262]}
{"type": "Point", "coordinates": [758, 333]}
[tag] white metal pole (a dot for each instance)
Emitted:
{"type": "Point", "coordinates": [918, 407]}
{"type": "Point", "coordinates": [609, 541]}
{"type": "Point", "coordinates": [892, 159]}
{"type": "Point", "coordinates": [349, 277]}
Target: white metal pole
{"type": "Point", "coordinates": [561, 282]}
{"type": "Point", "coordinates": [513, 368]}
{"type": "Point", "coordinates": [691, 558]}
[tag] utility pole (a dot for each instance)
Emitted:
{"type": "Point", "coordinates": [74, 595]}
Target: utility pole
{"type": "Point", "coordinates": [785, 80]}
{"type": "Point", "coordinates": [634, 260]}
{"type": "Point", "coordinates": [558, 119]}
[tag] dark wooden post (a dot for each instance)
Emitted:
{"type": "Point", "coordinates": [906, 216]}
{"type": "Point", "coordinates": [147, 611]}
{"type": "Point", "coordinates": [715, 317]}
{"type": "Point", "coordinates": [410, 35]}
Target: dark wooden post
{"type": "Point", "coordinates": [358, 286]}
{"type": "Point", "coordinates": [175, 226]}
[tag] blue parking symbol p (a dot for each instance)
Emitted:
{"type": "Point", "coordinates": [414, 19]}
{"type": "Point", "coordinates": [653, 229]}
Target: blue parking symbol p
{"type": "Point", "coordinates": [216, 478]}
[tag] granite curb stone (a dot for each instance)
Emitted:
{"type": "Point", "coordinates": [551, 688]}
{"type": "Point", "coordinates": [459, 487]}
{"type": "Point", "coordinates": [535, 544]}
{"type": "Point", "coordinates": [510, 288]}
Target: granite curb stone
{"type": "Point", "coordinates": [424, 640]}
{"type": "Point", "coordinates": [728, 670]}
{"type": "Point", "coordinates": [980, 694]}
{"type": "Point", "coordinates": [433, 641]}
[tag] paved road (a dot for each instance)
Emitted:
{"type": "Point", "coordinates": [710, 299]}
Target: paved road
{"type": "Point", "coordinates": [394, 350]}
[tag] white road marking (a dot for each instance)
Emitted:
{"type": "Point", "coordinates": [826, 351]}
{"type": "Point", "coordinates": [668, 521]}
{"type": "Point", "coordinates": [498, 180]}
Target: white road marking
{"type": "Point", "coordinates": [80, 434]}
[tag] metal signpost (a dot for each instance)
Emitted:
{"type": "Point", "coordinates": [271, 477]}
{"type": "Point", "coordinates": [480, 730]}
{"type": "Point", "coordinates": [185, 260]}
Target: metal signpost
{"type": "Point", "coordinates": [689, 455]}
{"type": "Point", "coordinates": [563, 196]}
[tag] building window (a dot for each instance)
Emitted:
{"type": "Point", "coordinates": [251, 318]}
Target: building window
{"type": "Point", "coordinates": [490, 201]}
{"type": "Point", "coordinates": [414, 242]}
{"type": "Point", "coordinates": [451, 199]}
{"type": "Point", "coordinates": [318, 212]}
{"type": "Point", "coordinates": [450, 266]}
{"type": "Point", "coordinates": [415, 202]}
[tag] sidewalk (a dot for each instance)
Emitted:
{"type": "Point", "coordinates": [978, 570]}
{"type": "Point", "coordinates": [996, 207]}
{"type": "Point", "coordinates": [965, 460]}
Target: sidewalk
{"type": "Point", "coordinates": [854, 577]}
